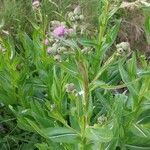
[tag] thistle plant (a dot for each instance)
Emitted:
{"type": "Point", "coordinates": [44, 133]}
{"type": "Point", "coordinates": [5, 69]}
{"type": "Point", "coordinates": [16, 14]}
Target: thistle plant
{"type": "Point", "coordinates": [75, 91]}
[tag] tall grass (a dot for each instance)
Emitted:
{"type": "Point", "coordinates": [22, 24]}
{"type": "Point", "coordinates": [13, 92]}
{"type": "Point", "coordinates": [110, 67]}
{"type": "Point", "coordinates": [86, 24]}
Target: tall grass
{"type": "Point", "coordinates": [17, 13]}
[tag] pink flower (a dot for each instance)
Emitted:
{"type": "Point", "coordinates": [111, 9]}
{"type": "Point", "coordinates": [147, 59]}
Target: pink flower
{"type": "Point", "coordinates": [59, 31]}
{"type": "Point", "coordinates": [46, 41]}
{"type": "Point", "coordinates": [49, 50]}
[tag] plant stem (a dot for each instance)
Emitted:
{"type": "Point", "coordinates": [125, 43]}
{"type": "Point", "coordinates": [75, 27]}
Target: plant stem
{"type": "Point", "coordinates": [84, 72]}
{"type": "Point", "coordinates": [103, 25]}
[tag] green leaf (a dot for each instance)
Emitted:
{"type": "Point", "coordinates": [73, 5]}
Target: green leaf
{"type": "Point", "coordinates": [137, 143]}
{"type": "Point", "coordinates": [111, 36]}
{"type": "Point", "coordinates": [88, 42]}
{"type": "Point", "coordinates": [36, 128]}
{"type": "Point", "coordinates": [126, 79]}
{"type": "Point", "coordinates": [143, 73]}
{"type": "Point", "coordinates": [61, 134]}
{"type": "Point", "coordinates": [103, 85]}
{"type": "Point", "coordinates": [140, 131]}
{"type": "Point", "coordinates": [135, 147]}
{"type": "Point", "coordinates": [144, 117]}
{"type": "Point", "coordinates": [27, 44]}
{"type": "Point", "coordinates": [99, 134]}
{"type": "Point", "coordinates": [132, 67]}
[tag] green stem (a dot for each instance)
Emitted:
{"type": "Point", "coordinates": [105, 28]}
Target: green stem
{"type": "Point", "coordinates": [103, 25]}
{"type": "Point", "coordinates": [84, 72]}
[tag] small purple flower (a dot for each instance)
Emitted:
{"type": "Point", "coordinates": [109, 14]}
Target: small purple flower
{"type": "Point", "coordinates": [46, 42]}
{"type": "Point", "coordinates": [59, 31]}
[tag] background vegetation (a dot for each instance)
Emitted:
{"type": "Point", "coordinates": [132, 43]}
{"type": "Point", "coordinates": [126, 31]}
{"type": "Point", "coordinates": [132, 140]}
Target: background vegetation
{"type": "Point", "coordinates": [32, 83]}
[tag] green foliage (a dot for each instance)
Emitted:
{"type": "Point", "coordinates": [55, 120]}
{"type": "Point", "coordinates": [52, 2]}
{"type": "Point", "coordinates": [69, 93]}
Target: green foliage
{"type": "Point", "coordinates": [147, 23]}
{"type": "Point", "coordinates": [83, 101]}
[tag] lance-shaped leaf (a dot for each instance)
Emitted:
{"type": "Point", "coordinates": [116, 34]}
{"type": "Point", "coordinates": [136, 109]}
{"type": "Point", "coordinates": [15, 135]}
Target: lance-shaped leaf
{"type": "Point", "coordinates": [61, 134]}
{"type": "Point", "coordinates": [99, 134]}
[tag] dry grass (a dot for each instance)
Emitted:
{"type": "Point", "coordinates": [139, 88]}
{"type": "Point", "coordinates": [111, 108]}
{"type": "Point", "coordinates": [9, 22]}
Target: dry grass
{"type": "Point", "coordinates": [132, 29]}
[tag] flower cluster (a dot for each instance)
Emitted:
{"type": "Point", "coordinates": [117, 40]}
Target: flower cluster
{"type": "Point", "coordinates": [77, 20]}
{"type": "Point", "coordinates": [76, 15]}
{"type": "Point", "coordinates": [59, 30]}
{"type": "Point", "coordinates": [66, 31]}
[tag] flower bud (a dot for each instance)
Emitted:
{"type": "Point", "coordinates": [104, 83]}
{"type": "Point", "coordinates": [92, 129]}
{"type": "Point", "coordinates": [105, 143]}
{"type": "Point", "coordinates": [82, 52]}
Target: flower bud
{"type": "Point", "coordinates": [55, 47]}
{"type": "Point", "coordinates": [52, 107]}
{"type": "Point", "coordinates": [123, 47]}
{"type": "Point", "coordinates": [101, 119]}
{"type": "Point", "coordinates": [57, 57]}
{"type": "Point", "coordinates": [83, 29]}
{"type": "Point", "coordinates": [81, 17]}
{"type": "Point", "coordinates": [70, 87]}
{"type": "Point", "coordinates": [77, 17]}
{"type": "Point", "coordinates": [55, 23]}
{"type": "Point", "coordinates": [46, 42]}
{"type": "Point", "coordinates": [72, 18]}
{"type": "Point", "coordinates": [71, 14]}
{"type": "Point", "coordinates": [36, 4]}
{"type": "Point", "coordinates": [59, 31]}
{"type": "Point", "coordinates": [49, 50]}
{"type": "Point", "coordinates": [61, 49]}
{"type": "Point", "coordinates": [63, 24]}
{"type": "Point", "coordinates": [77, 10]}
{"type": "Point", "coordinates": [75, 26]}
